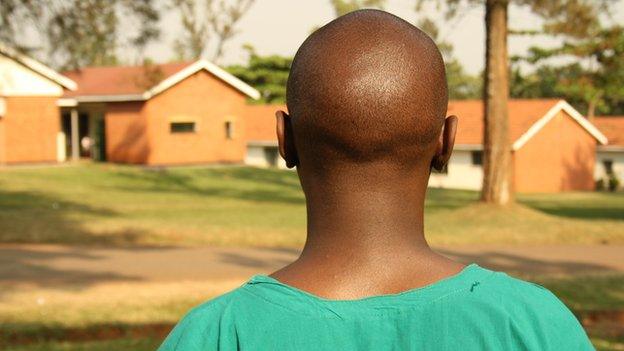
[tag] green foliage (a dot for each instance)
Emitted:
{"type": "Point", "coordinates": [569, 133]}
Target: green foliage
{"type": "Point", "coordinates": [268, 74]}
{"type": "Point", "coordinates": [461, 85]}
{"type": "Point", "coordinates": [569, 17]}
{"type": "Point", "coordinates": [207, 23]}
{"type": "Point", "coordinates": [614, 182]}
{"type": "Point", "coordinates": [593, 81]}
{"type": "Point", "coordinates": [80, 32]}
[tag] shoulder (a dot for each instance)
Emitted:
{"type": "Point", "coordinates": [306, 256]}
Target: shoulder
{"type": "Point", "coordinates": [536, 314]}
{"type": "Point", "coordinates": [520, 294]}
{"type": "Point", "coordinates": [205, 324]}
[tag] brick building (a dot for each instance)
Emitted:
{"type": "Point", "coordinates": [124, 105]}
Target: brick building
{"type": "Point", "coordinates": [553, 145]}
{"type": "Point", "coordinates": [196, 113]}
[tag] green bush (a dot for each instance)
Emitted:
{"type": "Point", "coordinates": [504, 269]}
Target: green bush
{"type": "Point", "coordinates": [614, 182]}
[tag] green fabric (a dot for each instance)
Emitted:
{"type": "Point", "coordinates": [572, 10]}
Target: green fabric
{"type": "Point", "coordinates": [477, 309]}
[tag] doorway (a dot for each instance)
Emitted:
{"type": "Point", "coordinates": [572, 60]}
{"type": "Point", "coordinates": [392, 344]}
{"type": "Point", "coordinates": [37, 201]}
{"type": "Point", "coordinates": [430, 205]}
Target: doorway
{"type": "Point", "coordinates": [91, 136]}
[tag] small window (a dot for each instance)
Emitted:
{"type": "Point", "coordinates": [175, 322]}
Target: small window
{"type": "Point", "coordinates": [182, 127]}
{"type": "Point", "coordinates": [608, 166]}
{"type": "Point", "coordinates": [477, 158]}
{"type": "Point", "coordinates": [229, 130]}
{"type": "Point", "coordinates": [443, 171]}
{"type": "Point", "coordinates": [271, 155]}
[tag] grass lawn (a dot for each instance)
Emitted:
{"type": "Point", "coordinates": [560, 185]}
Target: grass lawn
{"type": "Point", "coordinates": [239, 206]}
{"type": "Point", "coordinates": [134, 344]}
{"type": "Point", "coordinates": [104, 204]}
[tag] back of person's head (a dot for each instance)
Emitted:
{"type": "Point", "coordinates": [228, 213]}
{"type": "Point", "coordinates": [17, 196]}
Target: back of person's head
{"type": "Point", "coordinates": [366, 89]}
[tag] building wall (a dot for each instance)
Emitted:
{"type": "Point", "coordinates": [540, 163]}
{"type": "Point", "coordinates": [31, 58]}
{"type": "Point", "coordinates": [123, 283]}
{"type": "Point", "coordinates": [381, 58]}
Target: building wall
{"type": "Point", "coordinates": [260, 155]}
{"type": "Point", "coordinates": [210, 103]}
{"type": "Point", "coordinates": [30, 128]}
{"type": "Point", "coordinates": [560, 157]}
{"type": "Point", "coordinates": [2, 143]}
{"type": "Point", "coordinates": [126, 133]}
{"type": "Point", "coordinates": [617, 157]}
{"type": "Point", "coordinates": [462, 174]}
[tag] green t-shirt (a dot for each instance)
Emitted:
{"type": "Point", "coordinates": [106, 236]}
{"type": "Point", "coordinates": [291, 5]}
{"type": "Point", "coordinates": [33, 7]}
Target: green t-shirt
{"type": "Point", "coordinates": [477, 309]}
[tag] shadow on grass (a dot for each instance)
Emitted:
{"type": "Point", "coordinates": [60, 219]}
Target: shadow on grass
{"type": "Point", "coordinates": [243, 183]}
{"type": "Point", "coordinates": [32, 267]}
{"type": "Point", "coordinates": [592, 206]}
{"type": "Point", "coordinates": [521, 265]}
{"type": "Point", "coordinates": [449, 199]}
{"type": "Point", "coordinates": [33, 217]}
{"type": "Point", "coordinates": [13, 334]}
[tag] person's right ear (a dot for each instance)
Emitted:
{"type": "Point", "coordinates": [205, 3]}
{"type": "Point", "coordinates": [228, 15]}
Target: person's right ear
{"type": "Point", "coordinates": [444, 149]}
{"type": "Point", "coordinates": [285, 139]}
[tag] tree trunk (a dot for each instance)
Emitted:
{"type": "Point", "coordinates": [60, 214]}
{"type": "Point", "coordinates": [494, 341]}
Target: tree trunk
{"type": "Point", "coordinates": [497, 171]}
{"type": "Point", "coordinates": [591, 109]}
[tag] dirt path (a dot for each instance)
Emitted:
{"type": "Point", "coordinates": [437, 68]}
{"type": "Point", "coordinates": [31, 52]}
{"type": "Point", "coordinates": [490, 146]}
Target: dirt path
{"type": "Point", "coordinates": [49, 265]}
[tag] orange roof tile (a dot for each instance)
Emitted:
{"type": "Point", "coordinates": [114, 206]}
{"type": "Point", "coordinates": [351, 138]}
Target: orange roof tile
{"type": "Point", "coordinates": [120, 80]}
{"type": "Point", "coordinates": [612, 127]}
{"type": "Point", "coordinates": [523, 113]}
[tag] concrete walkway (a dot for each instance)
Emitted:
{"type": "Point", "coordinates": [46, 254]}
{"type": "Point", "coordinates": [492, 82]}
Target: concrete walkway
{"type": "Point", "coordinates": [51, 265]}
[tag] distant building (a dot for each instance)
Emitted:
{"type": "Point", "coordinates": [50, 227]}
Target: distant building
{"type": "Point", "coordinates": [554, 147]}
{"type": "Point", "coordinates": [179, 113]}
{"type": "Point", "coordinates": [29, 114]}
{"type": "Point", "coordinates": [610, 157]}
{"type": "Point", "coordinates": [196, 113]}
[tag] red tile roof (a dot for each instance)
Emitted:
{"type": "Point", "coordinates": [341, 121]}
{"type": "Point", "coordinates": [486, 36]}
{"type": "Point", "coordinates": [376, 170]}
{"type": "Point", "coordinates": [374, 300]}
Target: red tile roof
{"type": "Point", "coordinates": [523, 113]}
{"type": "Point", "coordinates": [120, 80]}
{"type": "Point", "coordinates": [612, 127]}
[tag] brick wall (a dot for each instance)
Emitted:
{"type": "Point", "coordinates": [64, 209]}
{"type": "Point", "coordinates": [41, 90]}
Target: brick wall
{"type": "Point", "coordinates": [126, 133]}
{"type": "Point", "coordinates": [30, 129]}
{"type": "Point", "coordinates": [560, 157]}
{"type": "Point", "coordinates": [209, 103]}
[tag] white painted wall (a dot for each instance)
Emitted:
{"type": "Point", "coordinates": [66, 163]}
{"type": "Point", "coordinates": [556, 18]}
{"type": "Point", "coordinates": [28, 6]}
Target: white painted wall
{"type": "Point", "coordinates": [18, 80]}
{"type": "Point", "coordinates": [462, 174]}
{"type": "Point", "coordinates": [256, 156]}
{"type": "Point", "coordinates": [618, 163]}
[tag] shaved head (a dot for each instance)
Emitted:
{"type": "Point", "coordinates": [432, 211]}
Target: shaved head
{"type": "Point", "coordinates": [367, 87]}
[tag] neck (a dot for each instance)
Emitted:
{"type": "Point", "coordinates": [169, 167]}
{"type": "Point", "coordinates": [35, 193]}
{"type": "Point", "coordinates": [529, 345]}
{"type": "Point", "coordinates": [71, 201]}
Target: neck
{"type": "Point", "coordinates": [378, 218]}
{"type": "Point", "coordinates": [365, 238]}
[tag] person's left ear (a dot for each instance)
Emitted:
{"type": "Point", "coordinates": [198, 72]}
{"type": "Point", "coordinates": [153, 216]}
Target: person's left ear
{"type": "Point", "coordinates": [285, 139]}
{"type": "Point", "coordinates": [444, 149]}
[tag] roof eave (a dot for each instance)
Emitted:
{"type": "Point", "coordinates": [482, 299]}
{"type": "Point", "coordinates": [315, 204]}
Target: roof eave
{"type": "Point", "coordinates": [211, 68]}
{"type": "Point", "coordinates": [39, 68]}
{"type": "Point", "coordinates": [109, 98]}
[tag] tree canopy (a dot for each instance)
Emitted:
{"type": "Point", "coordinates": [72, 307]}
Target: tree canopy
{"type": "Point", "coordinates": [593, 79]}
{"type": "Point", "coordinates": [80, 32]}
{"type": "Point", "coordinates": [268, 74]}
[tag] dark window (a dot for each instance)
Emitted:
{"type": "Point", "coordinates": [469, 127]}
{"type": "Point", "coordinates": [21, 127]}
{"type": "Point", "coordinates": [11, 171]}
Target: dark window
{"type": "Point", "coordinates": [229, 130]}
{"type": "Point", "coordinates": [608, 166]}
{"type": "Point", "coordinates": [271, 154]}
{"type": "Point", "coordinates": [444, 171]}
{"type": "Point", "coordinates": [477, 158]}
{"type": "Point", "coordinates": [182, 127]}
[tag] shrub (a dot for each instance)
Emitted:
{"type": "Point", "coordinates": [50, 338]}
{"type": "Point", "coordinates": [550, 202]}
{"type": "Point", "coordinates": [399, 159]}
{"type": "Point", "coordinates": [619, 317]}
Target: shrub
{"type": "Point", "coordinates": [613, 182]}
